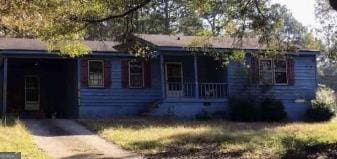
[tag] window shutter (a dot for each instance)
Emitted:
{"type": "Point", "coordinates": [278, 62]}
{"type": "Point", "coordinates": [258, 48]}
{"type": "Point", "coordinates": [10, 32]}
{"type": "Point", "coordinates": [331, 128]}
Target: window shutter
{"type": "Point", "coordinates": [254, 69]}
{"type": "Point", "coordinates": [125, 73]}
{"type": "Point", "coordinates": [147, 74]}
{"type": "Point", "coordinates": [290, 71]}
{"type": "Point", "coordinates": [107, 73]}
{"type": "Point", "coordinates": [84, 73]}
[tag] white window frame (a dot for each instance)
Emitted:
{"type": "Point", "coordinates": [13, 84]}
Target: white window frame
{"type": "Point", "coordinates": [286, 71]}
{"type": "Point", "coordinates": [273, 70]}
{"type": "Point", "coordinates": [96, 86]}
{"type": "Point", "coordinates": [143, 75]}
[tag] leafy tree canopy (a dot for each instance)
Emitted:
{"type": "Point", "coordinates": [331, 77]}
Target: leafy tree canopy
{"type": "Point", "coordinates": [62, 23]}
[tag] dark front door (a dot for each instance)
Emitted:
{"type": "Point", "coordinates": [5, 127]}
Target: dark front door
{"type": "Point", "coordinates": [32, 93]}
{"type": "Point", "coordinates": [174, 80]}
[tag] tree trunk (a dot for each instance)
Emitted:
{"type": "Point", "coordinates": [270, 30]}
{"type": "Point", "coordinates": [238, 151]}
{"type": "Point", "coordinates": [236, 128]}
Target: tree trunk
{"type": "Point", "coordinates": [167, 17]}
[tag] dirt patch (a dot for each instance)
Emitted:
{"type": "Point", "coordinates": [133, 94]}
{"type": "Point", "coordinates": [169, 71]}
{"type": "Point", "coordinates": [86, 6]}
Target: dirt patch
{"type": "Point", "coordinates": [204, 152]}
{"type": "Point", "coordinates": [313, 152]}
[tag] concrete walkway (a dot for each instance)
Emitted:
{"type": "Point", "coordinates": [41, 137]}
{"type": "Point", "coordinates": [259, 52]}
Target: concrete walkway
{"type": "Point", "coordinates": [66, 139]}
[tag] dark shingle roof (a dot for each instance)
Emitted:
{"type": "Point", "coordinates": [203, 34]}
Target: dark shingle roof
{"type": "Point", "coordinates": [35, 44]}
{"type": "Point", "coordinates": [154, 39]}
{"type": "Point", "coordinates": [220, 42]}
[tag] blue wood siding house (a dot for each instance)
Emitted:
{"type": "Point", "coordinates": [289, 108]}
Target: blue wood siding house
{"type": "Point", "coordinates": [175, 81]}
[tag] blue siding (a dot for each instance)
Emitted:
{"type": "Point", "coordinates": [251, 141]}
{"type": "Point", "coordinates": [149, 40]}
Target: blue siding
{"type": "Point", "coordinates": [189, 108]}
{"type": "Point", "coordinates": [304, 87]}
{"type": "Point", "coordinates": [117, 101]}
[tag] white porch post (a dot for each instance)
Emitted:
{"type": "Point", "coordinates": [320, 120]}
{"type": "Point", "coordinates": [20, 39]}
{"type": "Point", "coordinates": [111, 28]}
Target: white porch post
{"type": "Point", "coordinates": [162, 74]}
{"type": "Point", "coordinates": [4, 87]}
{"type": "Point", "coordinates": [196, 78]}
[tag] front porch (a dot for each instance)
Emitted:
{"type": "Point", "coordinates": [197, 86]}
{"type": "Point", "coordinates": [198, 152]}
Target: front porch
{"type": "Point", "coordinates": [193, 77]}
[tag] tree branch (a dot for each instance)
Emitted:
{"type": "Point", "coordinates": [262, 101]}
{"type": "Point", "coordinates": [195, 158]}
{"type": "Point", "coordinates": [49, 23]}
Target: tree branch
{"type": "Point", "coordinates": [258, 8]}
{"type": "Point", "coordinates": [98, 20]}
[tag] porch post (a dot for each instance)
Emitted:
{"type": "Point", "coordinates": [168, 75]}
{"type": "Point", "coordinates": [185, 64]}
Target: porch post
{"type": "Point", "coordinates": [162, 74]}
{"type": "Point", "coordinates": [4, 87]}
{"type": "Point", "coordinates": [78, 68]}
{"type": "Point", "coordinates": [196, 78]}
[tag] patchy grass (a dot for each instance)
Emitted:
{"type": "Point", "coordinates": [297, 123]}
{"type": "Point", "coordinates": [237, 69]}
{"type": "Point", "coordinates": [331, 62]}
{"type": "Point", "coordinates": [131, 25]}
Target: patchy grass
{"type": "Point", "coordinates": [157, 138]}
{"type": "Point", "coordinates": [14, 137]}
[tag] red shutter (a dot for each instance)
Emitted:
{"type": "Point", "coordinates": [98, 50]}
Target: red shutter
{"type": "Point", "coordinates": [84, 73]}
{"type": "Point", "coordinates": [254, 69]}
{"type": "Point", "coordinates": [125, 73]}
{"type": "Point", "coordinates": [107, 73]}
{"type": "Point", "coordinates": [290, 72]}
{"type": "Point", "coordinates": [147, 74]}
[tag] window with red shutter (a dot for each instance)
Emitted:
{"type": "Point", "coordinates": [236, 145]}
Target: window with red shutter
{"type": "Point", "coordinates": [291, 72]}
{"type": "Point", "coordinates": [96, 73]}
{"type": "Point", "coordinates": [147, 74]}
{"type": "Point", "coordinates": [274, 71]}
{"type": "Point", "coordinates": [136, 74]}
{"type": "Point", "coordinates": [107, 73]}
{"type": "Point", "coordinates": [254, 66]}
{"type": "Point", "coordinates": [84, 73]}
{"type": "Point", "coordinates": [125, 73]}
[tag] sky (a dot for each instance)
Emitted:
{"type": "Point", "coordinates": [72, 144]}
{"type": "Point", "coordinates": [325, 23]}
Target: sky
{"type": "Point", "coordinates": [302, 10]}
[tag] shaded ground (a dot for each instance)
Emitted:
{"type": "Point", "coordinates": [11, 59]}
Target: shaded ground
{"type": "Point", "coordinates": [67, 140]}
{"type": "Point", "coordinates": [313, 152]}
{"type": "Point", "coordinates": [164, 138]}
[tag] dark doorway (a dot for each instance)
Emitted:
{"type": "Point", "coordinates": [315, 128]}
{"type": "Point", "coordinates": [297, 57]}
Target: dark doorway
{"type": "Point", "coordinates": [42, 88]}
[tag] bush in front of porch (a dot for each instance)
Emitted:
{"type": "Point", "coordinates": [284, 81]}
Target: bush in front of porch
{"type": "Point", "coordinates": [249, 109]}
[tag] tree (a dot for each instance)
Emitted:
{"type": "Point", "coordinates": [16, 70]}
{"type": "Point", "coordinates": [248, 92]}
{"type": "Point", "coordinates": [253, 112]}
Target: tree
{"type": "Point", "coordinates": [327, 17]}
{"type": "Point", "coordinates": [60, 23]}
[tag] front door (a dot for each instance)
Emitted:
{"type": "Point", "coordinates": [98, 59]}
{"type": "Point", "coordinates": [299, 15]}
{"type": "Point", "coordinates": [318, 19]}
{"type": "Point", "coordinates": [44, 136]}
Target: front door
{"type": "Point", "coordinates": [32, 93]}
{"type": "Point", "coordinates": [174, 79]}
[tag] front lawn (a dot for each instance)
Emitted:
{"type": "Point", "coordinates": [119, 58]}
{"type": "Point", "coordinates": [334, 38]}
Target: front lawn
{"type": "Point", "coordinates": [156, 138]}
{"type": "Point", "coordinates": [14, 137]}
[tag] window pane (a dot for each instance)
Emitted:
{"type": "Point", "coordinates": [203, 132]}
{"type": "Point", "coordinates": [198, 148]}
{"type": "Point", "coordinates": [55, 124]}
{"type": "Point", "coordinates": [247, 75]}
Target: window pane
{"type": "Point", "coordinates": [96, 73]}
{"type": "Point", "coordinates": [280, 65]}
{"type": "Point", "coordinates": [280, 77]}
{"type": "Point", "coordinates": [32, 95]}
{"type": "Point", "coordinates": [136, 74]}
{"type": "Point", "coordinates": [265, 65]}
{"type": "Point", "coordinates": [266, 78]}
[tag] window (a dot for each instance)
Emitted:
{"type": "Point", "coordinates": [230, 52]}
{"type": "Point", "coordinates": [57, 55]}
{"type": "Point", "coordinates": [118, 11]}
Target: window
{"type": "Point", "coordinates": [273, 72]}
{"type": "Point", "coordinates": [96, 75]}
{"type": "Point", "coordinates": [280, 67]}
{"type": "Point", "coordinates": [266, 72]}
{"type": "Point", "coordinates": [136, 74]}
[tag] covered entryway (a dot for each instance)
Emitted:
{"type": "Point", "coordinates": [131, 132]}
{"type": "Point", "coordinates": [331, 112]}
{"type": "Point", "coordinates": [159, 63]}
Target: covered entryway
{"type": "Point", "coordinates": [41, 87]}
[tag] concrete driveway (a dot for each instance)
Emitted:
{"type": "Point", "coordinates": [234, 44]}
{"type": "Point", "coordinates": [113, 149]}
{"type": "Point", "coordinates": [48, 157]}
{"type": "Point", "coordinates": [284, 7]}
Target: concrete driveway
{"type": "Point", "coordinates": [66, 139]}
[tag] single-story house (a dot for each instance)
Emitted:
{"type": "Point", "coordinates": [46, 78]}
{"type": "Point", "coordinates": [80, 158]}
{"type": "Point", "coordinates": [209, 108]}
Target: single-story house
{"type": "Point", "coordinates": [175, 81]}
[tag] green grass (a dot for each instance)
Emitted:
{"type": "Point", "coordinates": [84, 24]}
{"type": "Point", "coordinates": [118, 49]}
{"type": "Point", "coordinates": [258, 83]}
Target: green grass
{"type": "Point", "coordinates": [14, 137]}
{"type": "Point", "coordinates": [175, 138]}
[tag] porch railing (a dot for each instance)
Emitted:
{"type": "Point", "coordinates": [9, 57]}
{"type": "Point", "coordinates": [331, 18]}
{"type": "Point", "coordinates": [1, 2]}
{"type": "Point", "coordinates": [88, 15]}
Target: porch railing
{"type": "Point", "coordinates": [180, 90]}
{"type": "Point", "coordinates": [212, 90]}
{"type": "Point", "coordinates": [188, 90]}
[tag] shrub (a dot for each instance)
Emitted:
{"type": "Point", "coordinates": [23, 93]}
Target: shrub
{"type": "Point", "coordinates": [323, 107]}
{"type": "Point", "coordinates": [203, 115]}
{"type": "Point", "coordinates": [242, 109]}
{"type": "Point", "coordinates": [271, 110]}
